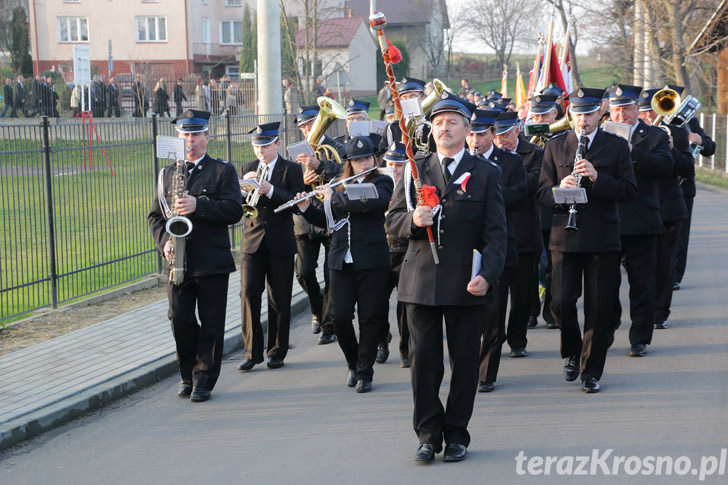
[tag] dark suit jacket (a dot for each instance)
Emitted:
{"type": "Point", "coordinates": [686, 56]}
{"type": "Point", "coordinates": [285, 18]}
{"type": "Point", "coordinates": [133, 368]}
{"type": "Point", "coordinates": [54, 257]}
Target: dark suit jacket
{"type": "Point", "coordinates": [369, 248]}
{"type": "Point", "coordinates": [598, 219]}
{"type": "Point", "coordinates": [672, 202]}
{"type": "Point", "coordinates": [276, 230]}
{"type": "Point", "coordinates": [513, 185]}
{"type": "Point", "coordinates": [687, 184]}
{"type": "Point", "coordinates": [216, 187]}
{"type": "Point", "coordinates": [652, 161]}
{"type": "Point", "coordinates": [472, 219]}
{"type": "Point", "coordinates": [8, 94]}
{"type": "Point", "coordinates": [528, 221]}
{"type": "Point", "coordinates": [19, 98]}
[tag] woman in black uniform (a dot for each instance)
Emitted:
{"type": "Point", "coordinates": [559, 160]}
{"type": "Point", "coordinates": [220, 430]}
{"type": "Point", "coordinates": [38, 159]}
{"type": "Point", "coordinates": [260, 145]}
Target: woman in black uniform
{"type": "Point", "coordinates": [358, 259]}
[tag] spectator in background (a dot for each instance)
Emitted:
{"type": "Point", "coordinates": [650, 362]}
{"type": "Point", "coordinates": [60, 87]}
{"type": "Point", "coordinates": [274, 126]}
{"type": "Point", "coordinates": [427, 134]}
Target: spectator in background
{"type": "Point", "coordinates": [98, 97]}
{"type": "Point", "coordinates": [290, 97]}
{"type": "Point", "coordinates": [179, 96]}
{"type": "Point", "coordinates": [385, 99]}
{"type": "Point", "coordinates": [19, 98]}
{"type": "Point", "coordinates": [7, 95]}
{"type": "Point", "coordinates": [139, 93]}
{"type": "Point", "coordinates": [320, 86]}
{"type": "Point", "coordinates": [214, 97]}
{"type": "Point", "coordinates": [231, 98]}
{"type": "Point", "coordinates": [161, 98]}
{"type": "Point", "coordinates": [464, 88]}
{"type": "Point", "coordinates": [76, 100]}
{"type": "Point", "coordinates": [112, 99]}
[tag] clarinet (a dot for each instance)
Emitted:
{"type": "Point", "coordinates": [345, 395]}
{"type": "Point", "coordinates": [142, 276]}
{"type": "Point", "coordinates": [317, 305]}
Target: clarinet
{"type": "Point", "coordinates": [571, 222]}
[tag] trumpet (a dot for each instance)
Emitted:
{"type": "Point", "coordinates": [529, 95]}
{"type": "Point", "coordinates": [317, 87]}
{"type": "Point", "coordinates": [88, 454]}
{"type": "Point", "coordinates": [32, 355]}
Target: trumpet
{"type": "Point", "coordinates": [314, 193]}
{"type": "Point", "coordinates": [249, 209]}
{"type": "Point", "coordinates": [665, 103]}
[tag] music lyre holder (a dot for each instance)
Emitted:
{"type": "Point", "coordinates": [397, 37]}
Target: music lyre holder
{"type": "Point", "coordinates": [575, 195]}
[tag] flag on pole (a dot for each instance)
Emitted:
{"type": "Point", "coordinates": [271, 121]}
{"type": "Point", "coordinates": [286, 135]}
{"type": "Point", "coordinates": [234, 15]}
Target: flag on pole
{"type": "Point", "coordinates": [566, 73]}
{"type": "Point", "coordinates": [504, 81]}
{"type": "Point", "coordinates": [554, 74]}
{"type": "Point", "coordinates": [520, 90]}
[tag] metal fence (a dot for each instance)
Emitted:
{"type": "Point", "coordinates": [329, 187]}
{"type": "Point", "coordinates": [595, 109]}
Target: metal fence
{"type": "Point", "coordinates": [74, 199]}
{"type": "Point", "coordinates": [716, 127]}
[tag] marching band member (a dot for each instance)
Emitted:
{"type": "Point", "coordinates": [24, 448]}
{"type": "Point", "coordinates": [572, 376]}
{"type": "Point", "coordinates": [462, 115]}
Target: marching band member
{"type": "Point", "coordinates": [356, 110]}
{"type": "Point", "coordinates": [472, 217]}
{"type": "Point", "coordinates": [592, 252]}
{"type": "Point", "coordinates": [358, 260]}
{"type": "Point", "coordinates": [640, 221]}
{"type": "Point", "coordinates": [513, 186]}
{"type": "Point", "coordinates": [211, 204]}
{"type": "Point", "coordinates": [267, 249]}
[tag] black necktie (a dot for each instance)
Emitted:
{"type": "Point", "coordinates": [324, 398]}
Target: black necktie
{"type": "Point", "coordinates": [190, 166]}
{"type": "Point", "coordinates": [446, 163]}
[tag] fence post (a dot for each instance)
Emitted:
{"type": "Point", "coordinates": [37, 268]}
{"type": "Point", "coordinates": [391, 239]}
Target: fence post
{"type": "Point", "coordinates": [712, 158]}
{"type": "Point", "coordinates": [229, 137]}
{"type": "Point", "coordinates": [53, 276]}
{"type": "Point", "coordinates": [155, 171]}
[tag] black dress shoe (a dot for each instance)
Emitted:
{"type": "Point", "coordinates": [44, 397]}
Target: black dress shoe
{"type": "Point", "coordinates": [363, 386]}
{"type": "Point", "coordinates": [327, 338]}
{"type": "Point", "coordinates": [274, 363]}
{"type": "Point", "coordinates": [661, 325]}
{"type": "Point", "coordinates": [455, 452]}
{"type": "Point", "coordinates": [382, 353]}
{"type": "Point", "coordinates": [590, 385]}
{"type": "Point", "coordinates": [315, 324]}
{"type": "Point", "coordinates": [532, 322]}
{"type": "Point", "coordinates": [676, 286]}
{"type": "Point", "coordinates": [404, 361]}
{"type": "Point", "coordinates": [571, 368]}
{"type": "Point", "coordinates": [184, 389]}
{"type": "Point", "coordinates": [351, 378]}
{"type": "Point", "coordinates": [247, 364]}
{"type": "Point", "coordinates": [637, 350]}
{"type": "Point", "coordinates": [519, 352]}
{"type": "Point", "coordinates": [486, 386]}
{"type": "Point", "coordinates": [551, 324]}
{"type": "Point", "coordinates": [425, 453]}
{"type": "Point", "coordinates": [200, 394]}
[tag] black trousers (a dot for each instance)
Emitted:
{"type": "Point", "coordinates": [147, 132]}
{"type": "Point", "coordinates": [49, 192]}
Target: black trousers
{"type": "Point", "coordinates": [640, 260]}
{"type": "Point", "coordinates": [199, 346]}
{"type": "Point", "coordinates": [395, 263]}
{"type": "Point", "coordinates": [665, 274]}
{"type": "Point", "coordinates": [366, 289]}
{"type": "Point", "coordinates": [114, 110]}
{"type": "Point", "coordinates": [178, 105]}
{"type": "Point", "coordinates": [306, 263]}
{"type": "Point", "coordinates": [546, 314]}
{"type": "Point", "coordinates": [682, 244]}
{"type": "Point", "coordinates": [600, 274]}
{"type": "Point", "coordinates": [255, 269]}
{"type": "Point", "coordinates": [433, 422]}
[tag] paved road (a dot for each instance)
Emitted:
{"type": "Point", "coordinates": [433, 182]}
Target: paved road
{"type": "Point", "coordinates": [300, 424]}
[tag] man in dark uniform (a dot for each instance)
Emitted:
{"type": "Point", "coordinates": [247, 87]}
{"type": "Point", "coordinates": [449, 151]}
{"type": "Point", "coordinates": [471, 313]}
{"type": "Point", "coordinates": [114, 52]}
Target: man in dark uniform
{"type": "Point", "coordinates": [513, 187]}
{"type": "Point", "coordinates": [408, 88]}
{"type": "Point", "coordinates": [524, 286]}
{"type": "Point", "coordinates": [211, 203]}
{"type": "Point", "coordinates": [8, 96]}
{"type": "Point", "coordinates": [98, 97]}
{"type": "Point", "coordinates": [592, 252]}
{"type": "Point", "coordinates": [112, 99]}
{"type": "Point", "coordinates": [472, 218]}
{"type": "Point", "coordinates": [640, 221]}
{"type": "Point", "coordinates": [310, 238]}
{"type": "Point", "coordinates": [267, 250]}
{"type": "Point", "coordinates": [179, 95]}
{"type": "Point", "coordinates": [554, 90]}
{"type": "Point", "coordinates": [543, 111]}
{"type": "Point", "coordinates": [19, 98]}
{"type": "Point", "coordinates": [672, 211]}
{"type": "Point", "coordinates": [356, 110]}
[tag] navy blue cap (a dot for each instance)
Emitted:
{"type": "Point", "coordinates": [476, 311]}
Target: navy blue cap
{"type": "Point", "coordinates": [505, 122]}
{"type": "Point", "coordinates": [359, 147]}
{"type": "Point", "coordinates": [389, 110]}
{"type": "Point", "coordinates": [675, 87]}
{"type": "Point", "coordinates": [397, 152]}
{"type": "Point", "coordinates": [192, 121]}
{"type": "Point", "coordinates": [410, 84]}
{"type": "Point", "coordinates": [585, 100]}
{"type": "Point", "coordinates": [265, 134]}
{"type": "Point", "coordinates": [357, 106]}
{"type": "Point", "coordinates": [543, 103]}
{"type": "Point", "coordinates": [494, 106]}
{"type": "Point", "coordinates": [553, 88]}
{"type": "Point", "coordinates": [482, 119]}
{"type": "Point", "coordinates": [608, 90]}
{"type": "Point", "coordinates": [493, 95]}
{"type": "Point", "coordinates": [452, 103]}
{"type": "Point", "coordinates": [306, 113]}
{"type": "Point", "coordinates": [624, 94]}
{"type": "Point", "coordinates": [645, 99]}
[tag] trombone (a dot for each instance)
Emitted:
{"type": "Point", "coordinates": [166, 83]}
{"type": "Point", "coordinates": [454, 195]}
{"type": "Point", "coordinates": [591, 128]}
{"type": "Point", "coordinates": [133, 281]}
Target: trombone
{"type": "Point", "coordinates": [249, 209]}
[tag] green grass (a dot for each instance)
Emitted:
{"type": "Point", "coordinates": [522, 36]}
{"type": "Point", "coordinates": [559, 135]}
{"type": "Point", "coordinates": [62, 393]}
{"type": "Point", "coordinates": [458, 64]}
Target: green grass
{"type": "Point", "coordinates": [710, 177]}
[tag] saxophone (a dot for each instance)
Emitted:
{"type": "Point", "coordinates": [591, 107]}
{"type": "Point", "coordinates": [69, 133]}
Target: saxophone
{"type": "Point", "coordinates": [178, 226]}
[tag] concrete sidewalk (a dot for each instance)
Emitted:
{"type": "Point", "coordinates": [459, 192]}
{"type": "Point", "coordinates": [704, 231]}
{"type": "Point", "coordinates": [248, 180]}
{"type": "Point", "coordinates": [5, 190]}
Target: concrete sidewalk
{"type": "Point", "coordinates": [49, 384]}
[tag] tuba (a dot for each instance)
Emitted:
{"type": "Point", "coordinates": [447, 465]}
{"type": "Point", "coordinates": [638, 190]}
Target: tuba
{"type": "Point", "coordinates": [178, 226]}
{"type": "Point", "coordinates": [415, 125]}
{"type": "Point", "coordinates": [329, 111]}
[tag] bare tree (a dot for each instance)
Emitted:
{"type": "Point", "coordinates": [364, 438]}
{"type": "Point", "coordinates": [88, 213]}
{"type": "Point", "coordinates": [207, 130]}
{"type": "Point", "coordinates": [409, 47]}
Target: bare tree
{"type": "Point", "coordinates": [565, 10]}
{"type": "Point", "coordinates": [458, 21]}
{"type": "Point", "coordinates": [502, 25]}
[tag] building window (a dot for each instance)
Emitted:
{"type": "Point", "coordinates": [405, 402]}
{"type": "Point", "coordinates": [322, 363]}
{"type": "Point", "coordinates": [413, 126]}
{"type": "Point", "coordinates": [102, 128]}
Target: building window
{"type": "Point", "coordinates": [204, 2]}
{"type": "Point", "coordinates": [231, 32]}
{"type": "Point", "coordinates": [72, 29]}
{"type": "Point", "coordinates": [71, 1]}
{"type": "Point", "coordinates": [233, 3]}
{"type": "Point", "coordinates": [205, 30]}
{"type": "Point", "coordinates": [151, 29]}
